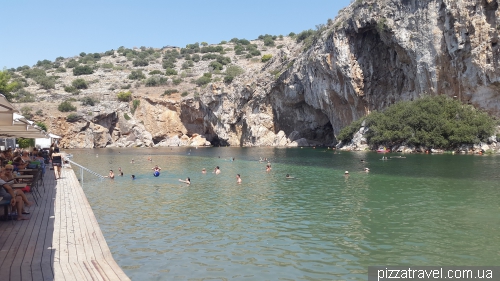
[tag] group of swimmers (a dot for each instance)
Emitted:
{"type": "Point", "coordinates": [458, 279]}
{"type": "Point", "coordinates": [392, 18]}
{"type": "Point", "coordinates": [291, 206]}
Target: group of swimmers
{"type": "Point", "coordinates": [156, 171]}
{"type": "Point", "coordinates": [111, 174]}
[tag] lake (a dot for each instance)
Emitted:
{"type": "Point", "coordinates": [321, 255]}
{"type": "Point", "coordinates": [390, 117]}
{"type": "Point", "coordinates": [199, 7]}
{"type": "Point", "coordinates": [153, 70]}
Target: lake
{"type": "Point", "coordinates": [322, 225]}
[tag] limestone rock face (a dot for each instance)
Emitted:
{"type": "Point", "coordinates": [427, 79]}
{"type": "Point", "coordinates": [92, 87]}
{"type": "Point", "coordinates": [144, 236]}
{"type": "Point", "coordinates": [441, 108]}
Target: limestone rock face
{"type": "Point", "coordinates": [375, 53]}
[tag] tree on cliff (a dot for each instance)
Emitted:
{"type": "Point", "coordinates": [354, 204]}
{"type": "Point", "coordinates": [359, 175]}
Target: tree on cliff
{"type": "Point", "coordinates": [434, 122]}
{"type": "Point", "coordinates": [5, 87]}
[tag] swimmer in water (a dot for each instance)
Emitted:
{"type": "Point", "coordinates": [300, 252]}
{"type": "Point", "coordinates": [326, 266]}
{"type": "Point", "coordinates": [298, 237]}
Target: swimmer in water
{"type": "Point", "coordinates": [111, 174]}
{"type": "Point", "coordinates": [238, 178]}
{"type": "Point", "coordinates": [289, 177]}
{"type": "Point", "coordinates": [203, 171]}
{"type": "Point", "coordinates": [268, 168]}
{"type": "Point", "coordinates": [187, 181]}
{"type": "Point", "coordinates": [217, 170]}
{"type": "Point", "coordinates": [133, 177]}
{"type": "Point", "coordinates": [156, 170]}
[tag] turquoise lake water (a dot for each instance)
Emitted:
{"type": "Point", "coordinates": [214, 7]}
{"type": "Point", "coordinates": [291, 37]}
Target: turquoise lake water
{"type": "Point", "coordinates": [322, 225]}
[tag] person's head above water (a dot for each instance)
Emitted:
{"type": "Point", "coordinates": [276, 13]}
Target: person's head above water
{"type": "Point", "coordinates": [133, 177]}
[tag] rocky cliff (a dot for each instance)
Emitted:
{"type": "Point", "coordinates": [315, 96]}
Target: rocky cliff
{"type": "Point", "coordinates": [372, 55]}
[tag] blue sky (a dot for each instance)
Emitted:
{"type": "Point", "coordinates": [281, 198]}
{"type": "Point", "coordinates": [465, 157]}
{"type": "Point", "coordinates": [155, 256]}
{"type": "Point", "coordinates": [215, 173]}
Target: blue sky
{"type": "Point", "coordinates": [34, 30]}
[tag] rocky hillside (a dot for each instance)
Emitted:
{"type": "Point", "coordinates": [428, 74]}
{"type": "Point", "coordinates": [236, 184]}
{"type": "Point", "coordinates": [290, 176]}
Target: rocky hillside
{"type": "Point", "coordinates": [283, 91]}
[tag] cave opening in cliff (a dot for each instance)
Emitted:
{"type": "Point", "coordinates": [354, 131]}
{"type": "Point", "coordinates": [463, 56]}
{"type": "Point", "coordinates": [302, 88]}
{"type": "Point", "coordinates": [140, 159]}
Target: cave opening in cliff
{"type": "Point", "coordinates": [216, 141]}
{"type": "Point", "coordinates": [158, 139]}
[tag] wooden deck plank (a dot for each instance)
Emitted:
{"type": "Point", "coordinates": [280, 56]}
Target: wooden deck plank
{"type": "Point", "coordinates": [16, 250]}
{"type": "Point", "coordinates": [37, 260]}
{"type": "Point", "coordinates": [82, 240]}
{"type": "Point", "coordinates": [95, 242]}
{"type": "Point", "coordinates": [24, 250]}
{"type": "Point", "coordinates": [25, 264]}
{"type": "Point", "coordinates": [63, 230]}
{"type": "Point", "coordinates": [61, 241]}
{"type": "Point", "coordinates": [58, 274]}
{"type": "Point", "coordinates": [35, 263]}
{"type": "Point", "coordinates": [47, 258]}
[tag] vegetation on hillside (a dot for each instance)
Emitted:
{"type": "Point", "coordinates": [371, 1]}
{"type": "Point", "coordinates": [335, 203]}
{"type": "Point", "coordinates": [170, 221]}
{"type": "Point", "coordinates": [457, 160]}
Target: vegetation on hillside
{"type": "Point", "coordinates": [6, 87]}
{"type": "Point", "coordinates": [434, 122]}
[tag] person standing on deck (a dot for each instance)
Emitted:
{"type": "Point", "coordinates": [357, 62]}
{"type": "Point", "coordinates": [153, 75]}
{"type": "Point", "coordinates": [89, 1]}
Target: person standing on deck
{"type": "Point", "coordinates": [57, 162]}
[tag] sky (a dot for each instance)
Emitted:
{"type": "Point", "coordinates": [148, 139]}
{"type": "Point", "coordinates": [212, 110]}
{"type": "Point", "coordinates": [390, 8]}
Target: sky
{"type": "Point", "coordinates": [33, 30]}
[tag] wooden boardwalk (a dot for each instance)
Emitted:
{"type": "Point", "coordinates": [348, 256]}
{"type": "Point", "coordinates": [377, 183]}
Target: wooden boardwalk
{"type": "Point", "coordinates": [61, 240]}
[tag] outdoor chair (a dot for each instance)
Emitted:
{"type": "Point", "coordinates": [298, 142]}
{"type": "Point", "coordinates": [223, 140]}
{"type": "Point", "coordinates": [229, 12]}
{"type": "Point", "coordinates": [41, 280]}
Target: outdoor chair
{"type": "Point", "coordinates": [6, 209]}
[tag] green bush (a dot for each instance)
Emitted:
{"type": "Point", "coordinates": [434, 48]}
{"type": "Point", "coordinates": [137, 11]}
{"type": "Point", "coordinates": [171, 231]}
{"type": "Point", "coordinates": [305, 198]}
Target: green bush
{"type": "Point", "coordinates": [195, 58]}
{"type": "Point", "coordinates": [33, 72]}
{"type": "Point", "coordinates": [24, 96]}
{"type": "Point", "coordinates": [212, 49]}
{"type": "Point", "coordinates": [46, 82]}
{"type": "Point", "coordinates": [268, 41]}
{"type": "Point", "coordinates": [228, 79]}
{"type": "Point", "coordinates": [25, 143]}
{"type": "Point", "coordinates": [41, 125]}
{"type": "Point", "coordinates": [26, 112]}
{"type": "Point", "coordinates": [177, 81]}
{"type": "Point", "coordinates": [435, 122]}
{"type": "Point", "coordinates": [347, 133]}
{"type": "Point", "coordinates": [140, 62]}
{"type": "Point", "coordinates": [186, 65]}
{"type": "Point", "coordinates": [89, 101]}
{"type": "Point", "coordinates": [125, 115]}
{"type": "Point", "coordinates": [124, 96]}
{"type": "Point", "coordinates": [135, 104]}
{"type": "Point", "coordinates": [107, 65]}
{"type": "Point", "coordinates": [79, 84]}
{"type": "Point", "coordinates": [136, 75]}
{"type": "Point", "coordinates": [61, 69]}
{"type": "Point", "coordinates": [170, 71]}
{"type": "Point", "coordinates": [234, 70]}
{"type": "Point", "coordinates": [254, 53]}
{"type": "Point", "coordinates": [66, 106]}
{"type": "Point", "coordinates": [266, 57]}
{"type": "Point", "coordinates": [216, 65]}
{"type": "Point", "coordinates": [72, 63]}
{"type": "Point", "coordinates": [169, 92]}
{"type": "Point", "coordinates": [304, 35]}
{"type": "Point", "coordinates": [72, 117]}
{"type": "Point", "coordinates": [82, 70]}
{"type": "Point", "coordinates": [156, 71]}
{"type": "Point", "coordinates": [82, 54]}
{"type": "Point", "coordinates": [204, 80]}
{"type": "Point", "coordinates": [155, 81]}
{"type": "Point", "coordinates": [45, 64]}
{"type": "Point", "coordinates": [185, 93]}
